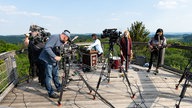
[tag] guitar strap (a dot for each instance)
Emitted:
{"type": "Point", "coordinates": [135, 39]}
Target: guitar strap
{"type": "Point", "coordinates": [161, 42]}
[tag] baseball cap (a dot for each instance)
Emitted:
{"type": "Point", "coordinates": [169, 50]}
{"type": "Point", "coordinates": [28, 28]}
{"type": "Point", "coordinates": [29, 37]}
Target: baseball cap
{"type": "Point", "coordinates": [67, 33]}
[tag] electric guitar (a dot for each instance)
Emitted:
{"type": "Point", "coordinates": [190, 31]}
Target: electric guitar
{"type": "Point", "coordinates": [156, 47]}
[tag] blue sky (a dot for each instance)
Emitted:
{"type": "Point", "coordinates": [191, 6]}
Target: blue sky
{"type": "Point", "coordinates": [93, 16]}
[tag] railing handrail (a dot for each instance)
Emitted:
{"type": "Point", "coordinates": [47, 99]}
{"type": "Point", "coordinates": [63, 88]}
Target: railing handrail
{"type": "Point", "coordinates": [177, 46]}
{"type": "Point", "coordinates": [11, 78]}
{"type": "Point", "coordinates": [144, 43]}
{"type": "Point", "coordinates": [189, 48]}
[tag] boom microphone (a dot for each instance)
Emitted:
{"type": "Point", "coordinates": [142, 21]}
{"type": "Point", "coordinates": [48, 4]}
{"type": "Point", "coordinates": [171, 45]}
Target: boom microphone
{"type": "Point", "coordinates": [74, 38]}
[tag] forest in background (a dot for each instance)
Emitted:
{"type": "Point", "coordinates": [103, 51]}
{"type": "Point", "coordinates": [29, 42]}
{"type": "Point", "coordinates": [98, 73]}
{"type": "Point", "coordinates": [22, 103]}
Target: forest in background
{"type": "Point", "coordinates": [18, 39]}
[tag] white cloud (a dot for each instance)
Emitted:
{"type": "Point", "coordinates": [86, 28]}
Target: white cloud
{"type": "Point", "coordinates": [183, 1]}
{"type": "Point", "coordinates": [12, 10]}
{"type": "Point", "coordinates": [115, 19]}
{"type": "Point", "coordinates": [34, 14]}
{"type": "Point", "coordinates": [168, 4]}
{"type": "Point", "coordinates": [7, 8]}
{"type": "Point", "coordinates": [171, 4]}
{"type": "Point", "coordinates": [3, 21]}
{"type": "Point", "coordinates": [133, 14]}
{"type": "Point", "coordinates": [50, 17]}
{"type": "Point", "coordinates": [119, 16]}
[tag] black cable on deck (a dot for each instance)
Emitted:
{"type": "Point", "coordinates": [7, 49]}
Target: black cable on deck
{"type": "Point", "coordinates": [92, 89]}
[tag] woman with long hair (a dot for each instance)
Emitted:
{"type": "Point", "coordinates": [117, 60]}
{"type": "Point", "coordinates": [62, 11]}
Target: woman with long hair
{"type": "Point", "coordinates": [126, 49]}
{"type": "Point", "coordinates": [156, 45]}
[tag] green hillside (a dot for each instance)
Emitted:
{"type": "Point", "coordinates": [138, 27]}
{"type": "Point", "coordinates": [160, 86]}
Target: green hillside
{"type": "Point", "coordinates": [15, 39]}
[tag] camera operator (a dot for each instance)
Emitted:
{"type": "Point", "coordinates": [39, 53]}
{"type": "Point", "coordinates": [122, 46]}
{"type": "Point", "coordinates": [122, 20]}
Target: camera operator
{"type": "Point", "coordinates": [126, 49]}
{"type": "Point", "coordinates": [51, 58]}
{"type": "Point", "coordinates": [26, 41]}
{"type": "Point", "coordinates": [156, 45]}
{"type": "Point", "coordinates": [34, 49]}
{"type": "Point", "coordinates": [96, 45]}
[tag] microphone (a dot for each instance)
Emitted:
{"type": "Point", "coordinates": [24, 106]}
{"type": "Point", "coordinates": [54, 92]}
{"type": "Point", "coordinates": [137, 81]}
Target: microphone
{"type": "Point", "coordinates": [74, 38]}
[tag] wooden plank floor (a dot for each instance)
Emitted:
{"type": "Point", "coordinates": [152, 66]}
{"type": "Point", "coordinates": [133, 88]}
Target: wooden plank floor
{"type": "Point", "coordinates": [157, 91]}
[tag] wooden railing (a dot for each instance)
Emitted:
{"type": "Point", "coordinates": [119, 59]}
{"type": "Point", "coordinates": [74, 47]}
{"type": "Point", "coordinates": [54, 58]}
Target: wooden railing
{"type": "Point", "coordinates": [8, 73]}
{"type": "Point", "coordinates": [176, 46]}
{"type": "Point", "coordinates": [184, 48]}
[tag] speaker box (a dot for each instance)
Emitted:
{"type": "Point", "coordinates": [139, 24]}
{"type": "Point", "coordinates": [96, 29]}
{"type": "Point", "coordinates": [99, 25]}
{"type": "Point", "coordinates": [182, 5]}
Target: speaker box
{"type": "Point", "coordinates": [140, 60]}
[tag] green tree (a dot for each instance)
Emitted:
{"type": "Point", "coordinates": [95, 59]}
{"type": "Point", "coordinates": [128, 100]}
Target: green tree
{"type": "Point", "coordinates": [7, 46]}
{"type": "Point", "coordinates": [138, 32]}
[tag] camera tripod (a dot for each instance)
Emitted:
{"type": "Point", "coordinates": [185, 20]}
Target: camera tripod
{"type": "Point", "coordinates": [187, 69]}
{"type": "Point", "coordinates": [68, 56]}
{"type": "Point", "coordinates": [107, 64]}
{"type": "Point", "coordinates": [188, 76]}
{"type": "Point", "coordinates": [65, 78]}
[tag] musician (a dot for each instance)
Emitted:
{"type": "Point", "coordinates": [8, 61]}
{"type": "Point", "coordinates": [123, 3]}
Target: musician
{"type": "Point", "coordinates": [96, 45]}
{"type": "Point", "coordinates": [156, 45]}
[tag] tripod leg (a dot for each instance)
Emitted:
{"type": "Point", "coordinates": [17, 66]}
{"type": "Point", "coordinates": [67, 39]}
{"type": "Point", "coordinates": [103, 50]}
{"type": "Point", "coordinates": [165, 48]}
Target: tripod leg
{"type": "Point", "coordinates": [109, 72]}
{"type": "Point", "coordinates": [129, 84]}
{"type": "Point", "coordinates": [63, 84]}
{"type": "Point", "coordinates": [90, 89]}
{"type": "Point", "coordinates": [67, 70]}
{"type": "Point", "coordinates": [180, 80]}
{"type": "Point", "coordinates": [110, 62]}
{"type": "Point", "coordinates": [99, 81]}
{"type": "Point", "coordinates": [65, 77]}
{"type": "Point", "coordinates": [183, 91]}
{"type": "Point", "coordinates": [187, 68]}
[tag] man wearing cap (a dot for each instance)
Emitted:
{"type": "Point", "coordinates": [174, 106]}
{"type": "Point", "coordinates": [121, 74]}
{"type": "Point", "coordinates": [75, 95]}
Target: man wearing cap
{"type": "Point", "coordinates": [51, 58]}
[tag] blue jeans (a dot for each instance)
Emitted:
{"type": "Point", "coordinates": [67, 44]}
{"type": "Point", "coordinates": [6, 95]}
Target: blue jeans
{"type": "Point", "coordinates": [52, 72]}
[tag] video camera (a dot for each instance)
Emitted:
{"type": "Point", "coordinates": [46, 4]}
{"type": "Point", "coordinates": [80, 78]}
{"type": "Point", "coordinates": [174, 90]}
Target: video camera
{"type": "Point", "coordinates": [67, 49]}
{"type": "Point", "coordinates": [42, 34]}
{"type": "Point", "coordinates": [113, 34]}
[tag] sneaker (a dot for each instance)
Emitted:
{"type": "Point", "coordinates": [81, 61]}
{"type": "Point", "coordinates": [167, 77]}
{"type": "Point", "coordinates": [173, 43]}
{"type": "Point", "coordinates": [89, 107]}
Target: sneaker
{"type": "Point", "coordinates": [59, 90]}
{"type": "Point", "coordinates": [148, 70]}
{"type": "Point", "coordinates": [155, 73]}
{"type": "Point", "coordinates": [54, 95]}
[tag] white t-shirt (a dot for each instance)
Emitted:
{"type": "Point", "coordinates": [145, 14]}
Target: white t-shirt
{"type": "Point", "coordinates": [97, 45]}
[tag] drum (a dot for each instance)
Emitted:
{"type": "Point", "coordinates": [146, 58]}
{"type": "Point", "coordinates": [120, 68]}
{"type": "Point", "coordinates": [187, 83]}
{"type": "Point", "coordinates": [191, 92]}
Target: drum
{"type": "Point", "coordinates": [116, 62]}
